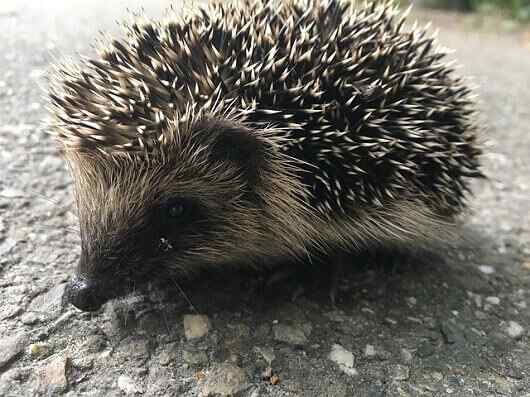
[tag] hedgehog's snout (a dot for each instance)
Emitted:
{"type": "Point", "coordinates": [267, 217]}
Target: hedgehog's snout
{"type": "Point", "coordinates": [83, 293]}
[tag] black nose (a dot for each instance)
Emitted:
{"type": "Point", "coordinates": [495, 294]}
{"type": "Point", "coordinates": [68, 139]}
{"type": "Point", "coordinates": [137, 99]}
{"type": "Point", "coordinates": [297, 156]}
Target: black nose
{"type": "Point", "coordinates": [84, 294]}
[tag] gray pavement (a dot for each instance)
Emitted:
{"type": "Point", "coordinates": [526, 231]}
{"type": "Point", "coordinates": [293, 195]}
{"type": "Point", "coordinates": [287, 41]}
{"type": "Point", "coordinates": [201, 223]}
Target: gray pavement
{"type": "Point", "coordinates": [455, 326]}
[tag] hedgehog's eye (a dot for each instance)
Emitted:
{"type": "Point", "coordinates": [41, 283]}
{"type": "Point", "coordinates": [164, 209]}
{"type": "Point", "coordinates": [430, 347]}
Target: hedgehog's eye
{"type": "Point", "coordinates": [176, 209]}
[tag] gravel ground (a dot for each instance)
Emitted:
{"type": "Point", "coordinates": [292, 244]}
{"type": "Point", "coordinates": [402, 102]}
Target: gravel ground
{"type": "Point", "coordinates": [456, 325]}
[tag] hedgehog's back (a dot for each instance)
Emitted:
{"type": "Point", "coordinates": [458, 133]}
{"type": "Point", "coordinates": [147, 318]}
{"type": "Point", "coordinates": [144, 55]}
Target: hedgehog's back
{"type": "Point", "coordinates": [374, 111]}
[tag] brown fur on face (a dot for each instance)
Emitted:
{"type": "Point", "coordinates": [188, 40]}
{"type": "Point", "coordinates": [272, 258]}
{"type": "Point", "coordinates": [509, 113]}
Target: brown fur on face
{"type": "Point", "coordinates": [234, 183]}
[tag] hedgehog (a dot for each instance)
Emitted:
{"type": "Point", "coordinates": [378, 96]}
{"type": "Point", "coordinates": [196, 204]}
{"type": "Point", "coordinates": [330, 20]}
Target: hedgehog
{"type": "Point", "coordinates": [246, 134]}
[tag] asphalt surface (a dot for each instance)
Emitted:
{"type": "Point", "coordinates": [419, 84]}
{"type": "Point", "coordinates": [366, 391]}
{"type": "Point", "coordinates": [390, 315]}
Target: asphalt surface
{"type": "Point", "coordinates": [456, 325]}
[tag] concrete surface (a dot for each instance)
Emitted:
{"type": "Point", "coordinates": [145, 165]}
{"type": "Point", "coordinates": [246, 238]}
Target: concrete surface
{"type": "Point", "coordinates": [451, 326]}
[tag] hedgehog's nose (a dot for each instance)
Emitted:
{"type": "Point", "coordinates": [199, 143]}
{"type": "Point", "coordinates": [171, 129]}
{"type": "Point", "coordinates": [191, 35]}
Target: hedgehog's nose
{"type": "Point", "coordinates": [83, 294]}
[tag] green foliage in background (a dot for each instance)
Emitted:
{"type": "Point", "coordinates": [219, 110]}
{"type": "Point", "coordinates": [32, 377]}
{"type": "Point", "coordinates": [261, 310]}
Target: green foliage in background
{"type": "Point", "coordinates": [519, 9]}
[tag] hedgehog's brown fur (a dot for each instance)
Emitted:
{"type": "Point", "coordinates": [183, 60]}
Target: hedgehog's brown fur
{"type": "Point", "coordinates": [286, 129]}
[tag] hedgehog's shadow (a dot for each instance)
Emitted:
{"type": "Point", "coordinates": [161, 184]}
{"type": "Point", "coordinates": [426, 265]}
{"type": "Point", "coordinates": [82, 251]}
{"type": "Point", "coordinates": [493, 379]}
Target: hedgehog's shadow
{"type": "Point", "coordinates": [383, 278]}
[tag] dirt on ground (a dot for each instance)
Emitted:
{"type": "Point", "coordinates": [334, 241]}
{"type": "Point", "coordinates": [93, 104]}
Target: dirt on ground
{"type": "Point", "coordinates": [454, 324]}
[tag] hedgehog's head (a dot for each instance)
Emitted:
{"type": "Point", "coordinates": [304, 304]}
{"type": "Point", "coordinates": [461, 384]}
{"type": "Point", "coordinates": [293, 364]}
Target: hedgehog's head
{"type": "Point", "coordinates": [208, 196]}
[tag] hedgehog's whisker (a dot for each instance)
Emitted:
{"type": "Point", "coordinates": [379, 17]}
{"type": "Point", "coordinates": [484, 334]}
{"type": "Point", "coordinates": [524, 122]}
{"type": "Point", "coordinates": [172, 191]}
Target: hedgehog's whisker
{"type": "Point", "coordinates": [184, 295]}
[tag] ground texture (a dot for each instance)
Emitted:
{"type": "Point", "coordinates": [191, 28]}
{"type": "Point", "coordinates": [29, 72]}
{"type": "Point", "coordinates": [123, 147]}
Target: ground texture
{"type": "Point", "coordinates": [456, 326]}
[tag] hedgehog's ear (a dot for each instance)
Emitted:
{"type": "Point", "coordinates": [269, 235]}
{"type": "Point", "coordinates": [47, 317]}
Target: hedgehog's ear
{"type": "Point", "coordinates": [241, 146]}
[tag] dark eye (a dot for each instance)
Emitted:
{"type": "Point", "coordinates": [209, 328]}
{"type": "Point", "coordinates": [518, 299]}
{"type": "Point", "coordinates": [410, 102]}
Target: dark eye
{"type": "Point", "coordinates": [176, 209]}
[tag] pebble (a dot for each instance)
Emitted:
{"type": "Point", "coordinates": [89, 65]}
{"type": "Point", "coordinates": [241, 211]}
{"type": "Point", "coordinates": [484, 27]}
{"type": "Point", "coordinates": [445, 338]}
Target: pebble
{"type": "Point", "coordinates": [29, 318]}
{"type": "Point", "coordinates": [195, 326]}
{"type": "Point", "coordinates": [521, 305]}
{"type": "Point", "coordinates": [7, 245]}
{"type": "Point", "coordinates": [127, 385]}
{"type": "Point", "coordinates": [39, 349]}
{"type": "Point", "coordinates": [290, 334]}
{"type": "Point", "coordinates": [486, 269]}
{"type": "Point", "coordinates": [194, 357]}
{"type": "Point", "coordinates": [406, 356]}
{"type": "Point", "coordinates": [437, 376]}
{"type": "Point", "coordinates": [494, 300]}
{"type": "Point", "coordinates": [343, 358]}
{"type": "Point", "coordinates": [514, 330]}
{"type": "Point", "coordinates": [369, 351]}
{"type": "Point", "coordinates": [10, 347]}
{"type": "Point", "coordinates": [53, 375]}
{"type": "Point", "coordinates": [400, 372]}
{"type": "Point", "coordinates": [50, 304]}
{"type": "Point", "coordinates": [411, 301]}
{"type": "Point", "coordinates": [267, 353]}
{"type": "Point", "coordinates": [225, 380]}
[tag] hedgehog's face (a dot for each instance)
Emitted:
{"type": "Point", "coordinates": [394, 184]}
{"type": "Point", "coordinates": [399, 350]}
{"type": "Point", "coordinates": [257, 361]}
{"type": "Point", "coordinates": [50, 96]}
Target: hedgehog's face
{"type": "Point", "coordinates": [143, 220]}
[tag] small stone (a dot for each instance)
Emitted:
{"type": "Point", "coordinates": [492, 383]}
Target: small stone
{"type": "Point", "coordinates": [39, 349]}
{"type": "Point", "coordinates": [486, 269]}
{"type": "Point", "coordinates": [476, 298]}
{"type": "Point", "coordinates": [29, 318]}
{"type": "Point", "coordinates": [406, 356]}
{"type": "Point", "coordinates": [53, 375]}
{"type": "Point", "coordinates": [411, 301]}
{"type": "Point", "coordinates": [225, 380]}
{"type": "Point", "coordinates": [267, 353]}
{"type": "Point", "coordinates": [274, 380]}
{"type": "Point", "coordinates": [200, 376]}
{"type": "Point", "coordinates": [10, 347]}
{"type": "Point", "coordinates": [127, 385]}
{"type": "Point", "coordinates": [343, 358]}
{"type": "Point", "coordinates": [451, 333]}
{"type": "Point", "coordinates": [400, 372]}
{"type": "Point", "coordinates": [194, 357]}
{"type": "Point", "coordinates": [195, 326]}
{"type": "Point", "coordinates": [521, 305]}
{"type": "Point", "coordinates": [369, 351]}
{"type": "Point", "coordinates": [437, 376]}
{"type": "Point", "coordinates": [7, 245]}
{"type": "Point", "coordinates": [290, 334]}
{"type": "Point", "coordinates": [526, 265]}
{"type": "Point", "coordinates": [50, 304]}
{"type": "Point", "coordinates": [494, 300]}
{"type": "Point", "coordinates": [514, 330]}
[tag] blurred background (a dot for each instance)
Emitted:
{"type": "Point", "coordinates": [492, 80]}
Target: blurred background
{"type": "Point", "coordinates": [516, 9]}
